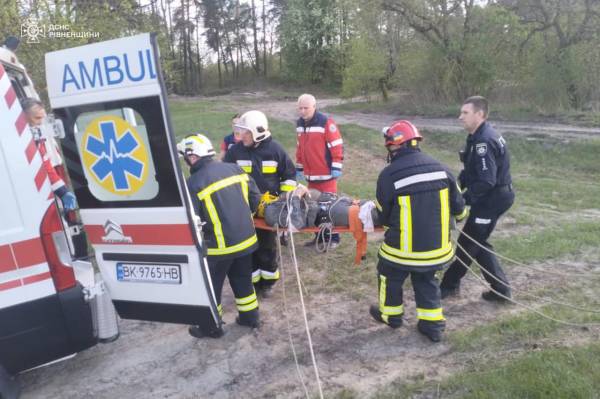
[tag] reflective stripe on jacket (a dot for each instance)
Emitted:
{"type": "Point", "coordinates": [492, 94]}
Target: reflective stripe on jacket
{"type": "Point", "coordinates": [268, 163]}
{"type": "Point", "coordinates": [416, 197]}
{"type": "Point", "coordinates": [224, 197]}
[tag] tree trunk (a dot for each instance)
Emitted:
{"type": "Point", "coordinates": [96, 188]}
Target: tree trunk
{"type": "Point", "coordinates": [264, 42]}
{"type": "Point", "coordinates": [255, 32]}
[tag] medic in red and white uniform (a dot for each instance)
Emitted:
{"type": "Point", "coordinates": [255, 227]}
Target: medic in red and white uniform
{"type": "Point", "coordinates": [320, 149]}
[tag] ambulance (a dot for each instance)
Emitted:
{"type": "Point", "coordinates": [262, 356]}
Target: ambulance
{"type": "Point", "coordinates": [119, 150]}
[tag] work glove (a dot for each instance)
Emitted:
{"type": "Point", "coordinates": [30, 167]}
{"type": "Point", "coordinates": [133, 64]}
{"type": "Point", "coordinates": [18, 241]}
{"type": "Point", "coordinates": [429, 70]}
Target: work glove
{"type": "Point", "coordinates": [336, 174]}
{"type": "Point", "coordinates": [300, 176]}
{"type": "Point", "coordinates": [69, 201]}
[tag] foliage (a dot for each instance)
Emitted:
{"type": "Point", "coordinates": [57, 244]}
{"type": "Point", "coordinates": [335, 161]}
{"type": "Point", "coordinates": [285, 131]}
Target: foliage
{"type": "Point", "coordinates": [366, 68]}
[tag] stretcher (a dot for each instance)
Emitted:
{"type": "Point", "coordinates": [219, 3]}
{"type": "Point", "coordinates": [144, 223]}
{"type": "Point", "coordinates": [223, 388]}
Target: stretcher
{"type": "Point", "coordinates": [355, 227]}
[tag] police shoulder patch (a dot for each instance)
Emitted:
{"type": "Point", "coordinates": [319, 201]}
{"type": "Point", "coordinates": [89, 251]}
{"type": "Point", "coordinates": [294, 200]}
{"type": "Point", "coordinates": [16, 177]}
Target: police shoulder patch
{"type": "Point", "coordinates": [332, 127]}
{"type": "Point", "coordinates": [481, 149]}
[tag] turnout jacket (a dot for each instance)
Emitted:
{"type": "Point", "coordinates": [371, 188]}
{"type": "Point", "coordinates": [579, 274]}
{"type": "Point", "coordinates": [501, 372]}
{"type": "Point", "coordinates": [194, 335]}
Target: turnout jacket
{"type": "Point", "coordinates": [224, 197]}
{"type": "Point", "coordinates": [486, 164]}
{"type": "Point", "coordinates": [267, 162]}
{"type": "Point", "coordinates": [319, 147]}
{"type": "Point", "coordinates": [416, 198]}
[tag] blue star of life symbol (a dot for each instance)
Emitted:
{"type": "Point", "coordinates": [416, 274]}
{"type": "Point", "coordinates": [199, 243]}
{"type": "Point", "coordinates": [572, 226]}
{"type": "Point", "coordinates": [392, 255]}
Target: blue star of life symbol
{"type": "Point", "coordinates": [114, 156]}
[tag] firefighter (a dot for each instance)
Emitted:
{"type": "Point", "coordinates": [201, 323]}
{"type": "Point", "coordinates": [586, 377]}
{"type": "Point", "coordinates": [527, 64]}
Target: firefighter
{"type": "Point", "coordinates": [230, 139]}
{"type": "Point", "coordinates": [273, 170]}
{"type": "Point", "coordinates": [48, 149]}
{"type": "Point", "coordinates": [416, 198]}
{"type": "Point", "coordinates": [224, 197]}
{"type": "Point", "coordinates": [488, 184]}
{"type": "Point", "coordinates": [319, 151]}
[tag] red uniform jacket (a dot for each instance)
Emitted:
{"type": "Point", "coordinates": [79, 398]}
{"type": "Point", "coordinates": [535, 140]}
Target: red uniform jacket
{"type": "Point", "coordinates": [319, 148]}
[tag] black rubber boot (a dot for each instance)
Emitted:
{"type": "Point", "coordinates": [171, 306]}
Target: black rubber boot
{"type": "Point", "coordinates": [204, 332]}
{"type": "Point", "coordinates": [491, 296]}
{"type": "Point", "coordinates": [393, 322]}
{"type": "Point", "coordinates": [249, 319]}
{"type": "Point", "coordinates": [432, 329]}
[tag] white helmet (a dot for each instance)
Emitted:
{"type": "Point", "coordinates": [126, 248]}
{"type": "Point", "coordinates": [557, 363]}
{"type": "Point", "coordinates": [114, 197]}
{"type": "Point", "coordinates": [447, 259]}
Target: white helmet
{"type": "Point", "coordinates": [197, 144]}
{"type": "Point", "coordinates": [257, 123]}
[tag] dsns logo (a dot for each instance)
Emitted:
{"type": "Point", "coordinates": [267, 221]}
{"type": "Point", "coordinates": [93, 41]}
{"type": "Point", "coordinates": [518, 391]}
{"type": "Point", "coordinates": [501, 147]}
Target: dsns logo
{"type": "Point", "coordinates": [114, 155]}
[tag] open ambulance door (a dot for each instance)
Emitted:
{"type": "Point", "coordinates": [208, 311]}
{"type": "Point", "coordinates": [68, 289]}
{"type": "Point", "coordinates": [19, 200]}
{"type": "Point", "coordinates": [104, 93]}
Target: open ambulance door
{"type": "Point", "coordinates": [120, 153]}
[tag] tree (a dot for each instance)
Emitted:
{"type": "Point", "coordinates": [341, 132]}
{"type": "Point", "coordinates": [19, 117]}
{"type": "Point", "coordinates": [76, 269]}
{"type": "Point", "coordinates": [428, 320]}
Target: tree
{"type": "Point", "coordinates": [447, 25]}
{"type": "Point", "coordinates": [365, 70]}
{"type": "Point", "coordinates": [563, 24]}
{"type": "Point", "coordinates": [308, 36]}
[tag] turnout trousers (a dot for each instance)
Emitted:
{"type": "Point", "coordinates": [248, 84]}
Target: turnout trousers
{"type": "Point", "coordinates": [480, 225]}
{"type": "Point", "coordinates": [265, 265]}
{"type": "Point", "coordinates": [427, 296]}
{"type": "Point", "coordinates": [239, 272]}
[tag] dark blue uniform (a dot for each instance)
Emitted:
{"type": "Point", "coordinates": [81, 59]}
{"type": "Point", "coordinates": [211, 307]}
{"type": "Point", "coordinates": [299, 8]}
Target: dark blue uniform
{"type": "Point", "coordinates": [486, 178]}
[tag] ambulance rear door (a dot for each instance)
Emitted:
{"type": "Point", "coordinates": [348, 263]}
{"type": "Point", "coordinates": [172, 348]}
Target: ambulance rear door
{"type": "Point", "coordinates": [120, 153]}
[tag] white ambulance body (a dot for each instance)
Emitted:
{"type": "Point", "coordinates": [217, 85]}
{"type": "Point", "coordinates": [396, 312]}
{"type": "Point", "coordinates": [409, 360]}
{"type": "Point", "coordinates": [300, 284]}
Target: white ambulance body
{"type": "Point", "coordinates": [120, 155]}
{"type": "Point", "coordinates": [43, 313]}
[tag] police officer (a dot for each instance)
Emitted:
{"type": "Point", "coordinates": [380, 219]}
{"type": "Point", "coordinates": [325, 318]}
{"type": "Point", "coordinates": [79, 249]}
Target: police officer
{"type": "Point", "coordinates": [224, 197]}
{"type": "Point", "coordinates": [416, 198]}
{"type": "Point", "coordinates": [486, 179]}
{"type": "Point", "coordinates": [274, 172]}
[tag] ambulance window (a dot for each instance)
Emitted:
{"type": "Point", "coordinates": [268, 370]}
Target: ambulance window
{"type": "Point", "coordinates": [18, 81]}
{"type": "Point", "coordinates": [116, 156]}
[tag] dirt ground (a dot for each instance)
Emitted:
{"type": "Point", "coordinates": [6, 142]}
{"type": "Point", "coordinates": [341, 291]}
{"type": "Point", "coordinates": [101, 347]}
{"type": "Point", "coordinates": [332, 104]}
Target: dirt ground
{"type": "Point", "coordinates": [152, 360]}
{"type": "Point", "coordinates": [286, 110]}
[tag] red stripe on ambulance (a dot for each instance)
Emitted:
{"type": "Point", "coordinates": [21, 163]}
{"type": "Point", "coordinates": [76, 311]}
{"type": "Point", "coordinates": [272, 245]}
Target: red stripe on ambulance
{"type": "Point", "coordinates": [20, 123]}
{"type": "Point", "coordinates": [30, 150]}
{"type": "Point", "coordinates": [40, 177]}
{"type": "Point", "coordinates": [37, 278]}
{"type": "Point", "coordinates": [9, 285]}
{"type": "Point", "coordinates": [145, 234]}
{"type": "Point", "coordinates": [29, 252]}
{"type": "Point", "coordinates": [7, 261]}
{"type": "Point", "coordinates": [10, 96]}
{"type": "Point", "coordinates": [1, 71]}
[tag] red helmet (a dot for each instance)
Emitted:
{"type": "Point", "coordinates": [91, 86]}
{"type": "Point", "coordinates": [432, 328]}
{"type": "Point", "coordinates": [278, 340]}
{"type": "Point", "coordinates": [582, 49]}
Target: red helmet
{"type": "Point", "coordinates": [401, 132]}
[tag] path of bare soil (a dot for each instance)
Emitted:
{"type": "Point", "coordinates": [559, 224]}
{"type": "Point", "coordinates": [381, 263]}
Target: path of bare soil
{"type": "Point", "coordinates": [286, 110]}
{"type": "Point", "coordinates": [152, 360]}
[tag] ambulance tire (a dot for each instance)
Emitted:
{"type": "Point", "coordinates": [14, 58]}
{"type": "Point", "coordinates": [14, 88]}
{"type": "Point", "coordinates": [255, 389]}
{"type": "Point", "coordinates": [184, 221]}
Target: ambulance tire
{"type": "Point", "coordinates": [9, 386]}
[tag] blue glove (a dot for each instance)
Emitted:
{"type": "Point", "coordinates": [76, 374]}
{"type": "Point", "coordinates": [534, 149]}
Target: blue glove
{"type": "Point", "coordinates": [69, 201]}
{"type": "Point", "coordinates": [336, 174]}
{"type": "Point", "coordinates": [300, 175]}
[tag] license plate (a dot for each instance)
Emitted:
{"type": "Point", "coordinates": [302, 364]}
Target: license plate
{"type": "Point", "coordinates": [149, 273]}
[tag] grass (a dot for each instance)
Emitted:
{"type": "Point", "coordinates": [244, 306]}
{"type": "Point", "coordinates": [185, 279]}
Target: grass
{"type": "Point", "coordinates": [552, 373]}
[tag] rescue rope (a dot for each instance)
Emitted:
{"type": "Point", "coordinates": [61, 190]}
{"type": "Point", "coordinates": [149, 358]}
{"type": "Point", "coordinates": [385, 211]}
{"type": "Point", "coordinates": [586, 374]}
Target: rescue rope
{"type": "Point", "coordinates": [485, 284]}
{"type": "Point", "coordinates": [287, 320]}
{"type": "Point", "coordinates": [326, 230]}
{"type": "Point", "coordinates": [544, 299]}
{"type": "Point", "coordinates": [297, 271]}
{"type": "Point", "coordinates": [321, 243]}
{"type": "Point", "coordinates": [525, 266]}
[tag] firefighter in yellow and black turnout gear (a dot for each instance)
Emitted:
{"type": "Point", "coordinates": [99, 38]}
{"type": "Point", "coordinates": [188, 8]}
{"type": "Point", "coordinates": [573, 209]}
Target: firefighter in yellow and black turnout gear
{"type": "Point", "coordinates": [416, 198]}
{"type": "Point", "coordinates": [274, 172]}
{"type": "Point", "coordinates": [224, 197]}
